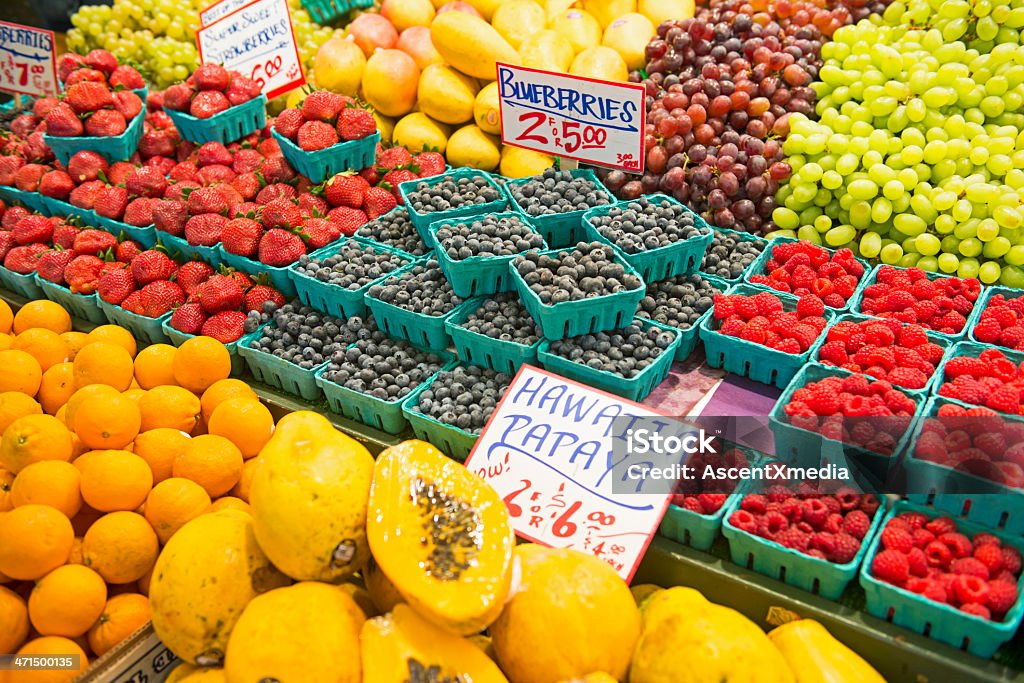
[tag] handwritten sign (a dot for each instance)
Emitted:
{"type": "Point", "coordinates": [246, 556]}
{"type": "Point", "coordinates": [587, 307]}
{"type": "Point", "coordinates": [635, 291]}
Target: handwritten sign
{"type": "Point", "coordinates": [220, 9]}
{"type": "Point", "coordinates": [28, 65]}
{"type": "Point", "coordinates": [596, 122]}
{"type": "Point", "coordinates": [257, 40]}
{"type": "Point", "coordinates": [548, 451]}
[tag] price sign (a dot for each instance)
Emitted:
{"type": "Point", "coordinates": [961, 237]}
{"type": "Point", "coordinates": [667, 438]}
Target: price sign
{"type": "Point", "coordinates": [596, 122]}
{"type": "Point", "coordinates": [257, 40]}
{"type": "Point", "coordinates": [550, 451]}
{"type": "Point", "coordinates": [219, 9]}
{"type": "Point", "coordinates": [28, 65]}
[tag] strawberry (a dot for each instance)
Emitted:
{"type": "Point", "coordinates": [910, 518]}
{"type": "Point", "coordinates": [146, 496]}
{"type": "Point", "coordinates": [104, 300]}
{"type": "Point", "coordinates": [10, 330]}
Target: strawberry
{"type": "Point", "coordinates": [211, 77]}
{"type": "Point", "coordinates": [146, 181]}
{"type": "Point", "coordinates": [394, 157]}
{"type": "Point", "coordinates": [52, 264]}
{"type": "Point", "coordinates": [169, 215]}
{"type": "Point", "coordinates": [213, 153]}
{"type": "Point", "coordinates": [230, 194]}
{"type": "Point", "coordinates": [29, 176]}
{"type": "Point", "coordinates": [85, 74]}
{"type": "Point", "coordinates": [312, 206]}
{"type": "Point", "coordinates": [24, 259]}
{"type": "Point", "coordinates": [257, 296]}
{"type": "Point", "coordinates": [87, 165]}
{"type": "Point", "coordinates": [246, 210]}
{"type": "Point", "coordinates": [178, 97]}
{"type": "Point", "coordinates": [192, 274]}
{"type": "Point", "coordinates": [316, 135]}
{"type": "Point", "coordinates": [127, 251]}
{"type": "Point", "coordinates": [111, 202]}
{"type": "Point", "coordinates": [159, 142]}
{"type": "Point", "coordinates": [276, 191]}
{"type": "Point", "coordinates": [355, 124]}
{"type": "Point", "coordinates": [9, 166]}
{"type": "Point", "coordinates": [205, 229]}
{"type": "Point", "coordinates": [225, 327]}
{"type": "Point", "coordinates": [429, 163]}
{"type": "Point", "coordinates": [242, 89]}
{"type": "Point", "coordinates": [347, 219]}
{"type": "Point", "coordinates": [152, 265]}
{"type": "Point", "coordinates": [139, 212]}
{"type": "Point", "coordinates": [133, 303]}
{"type": "Point", "coordinates": [378, 201]}
{"type": "Point", "coordinates": [94, 242]}
{"type": "Point", "coordinates": [243, 279]}
{"type": "Point", "coordinates": [162, 164]}
{"type": "Point", "coordinates": [277, 170]}
{"type": "Point", "coordinates": [115, 285]}
{"type": "Point", "coordinates": [88, 96]}
{"type": "Point", "coordinates": [161, 297]}
{"type": "Point", "coordinates": [85, 195]}
{"type": "Point", "coordinates": [82, 274]}
{"type": "Point", "coordinates": [126, 77]}
{"type": "Point", "coordinates": [208, 103]}
{"type": "Point", "coordinates": [101, 60]}
{"type": "Point", "coordinates": [128, 104]}
{"type": "Point", "coordinates": [180, 190]}
{"type": "Point", "coordinates": [56, 184]}
{"type": "Point", "coordinates": [246, 161]}
{"type": "Point", "coordinates": [6, 243]}
{"type": "Point", "coordinates": [346, 189]}
{"type": "Point", "coordinates": [317, 233]}
{"type": "Point", "coordinates": [184, 170]}
{"type": "Point", "coordinates": [63, 122]}
{"type": "Point", "coordinates": [36, 149]}
{"type": "Point", "coordinates": [105, 123]}
{"type": "Point", "coordinates": [288, 123]}
{"type": "Point", "coordinates": [281, 213]}
{"type": "Point", "coordinates": [242, 236]}
{"type": "Point", "coordinates": [34, 228]}
{"type": "Point", "coordinates": [247, 185]}
{"type": "Point", "coordinates": [119, 172]}
{"type": "Point", "coordinates": [67, 63]}
{"type": "Point", "coordinates": [64, 236]}
{"type": "Point", "coordinates": [207, 200]}
{"type": "Point", "coordinates": [188, 318]}
{"type": "Point", "coordinates": [23, 125]}
{"type": "Point", "coordinates": [395, 178]}
{"type": "Point", "coordinates": [214, 174]}
{"type": "Point", "coordinates": [280, 248]}
{"type": "Point", "coordinates": [322, 105]}
{"type": "Point", "coordinates": [220, 293]}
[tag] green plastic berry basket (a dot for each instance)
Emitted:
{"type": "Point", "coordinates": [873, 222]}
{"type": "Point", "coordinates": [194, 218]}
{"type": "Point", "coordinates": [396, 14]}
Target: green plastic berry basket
{"type": "Point", "coordinates": [957, 493]}
{"type": "Point", "coordinates": [330, 298]}
{"type": "Point", "coordinates": [278, 372]}
{"type": "Point", "coordinates": [57, 207]}
{"type": "Point", "coordinates": [360, 234]}
{"type": "Point", "coordinates": [635, 389]}
{"type": "Point", "coordinates": [476, 275]}
{"type": "Point", "coordinates": [145, 329]}
{"type": "Point", "coordinates": [23, 284]}
{"type": "Point", "coordinates": [178, 338]}
{"type": "Point", "coordinates": [84, 306]}
{"type": "Point", "coordinates": [972, 350]}
{"type": "Point", "coordinates": [422, 221]}
{"type": "Point", "coordinates": [474, 348]}
{"type": "Point", "coordinates": [573, 318]}
{"type": "Point", "coordinates": [324, 163]}
{"type": "Point", "coordinates": [744, 236]}
{"type": "Point", "coordinates": [793, 567]}
{"type": "Point", "coordinates": [689, 337]}
{"type": "Point", "coordinates": [191, 252]}
{"type": "Point", "coordinates": [33, 201]}
{"type": "Point", "coordinates": [112, 148]}
{"type": "Point", "coordinates": [231, 124]}
{"type": "Point", "coordinates": [279, 277]}
{"type": "Point", "coordinates": [679, 258]}
{"type": "Point", "coordinates": [938, 621]}
{"type": "Point", "coordinates": [558, 229]}
{"type": "Point", "coordinates": [982, 303]}
{"type": "Point", "coordinates": [747, 359]}
{"type": "Point", "coordinates": [454, 442]}
{"type": "Point", "coordinates": [386, 416]}
{"type": "Point", "coordinates": [856, 303]}
{"type": "Point", "coordinates": [326, 12]}
{"type": "Point", "coordinates": [144, 235]}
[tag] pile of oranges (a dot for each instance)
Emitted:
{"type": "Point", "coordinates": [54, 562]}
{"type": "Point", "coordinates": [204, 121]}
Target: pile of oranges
{"type": "Point", "coordinates": [105, 452]}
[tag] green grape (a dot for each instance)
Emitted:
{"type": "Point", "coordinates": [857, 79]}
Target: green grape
{"type": "Point", "coordinates": [927, 244]}
{"type": "Point", "coordinates": [989, 272]}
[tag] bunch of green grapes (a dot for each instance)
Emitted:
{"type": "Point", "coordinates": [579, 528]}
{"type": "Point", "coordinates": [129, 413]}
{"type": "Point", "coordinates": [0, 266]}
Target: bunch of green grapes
{"type": "Point", "coordinates": [917, 158]}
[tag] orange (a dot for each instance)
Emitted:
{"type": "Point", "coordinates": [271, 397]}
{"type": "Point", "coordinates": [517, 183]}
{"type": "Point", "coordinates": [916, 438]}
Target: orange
{"type": "Point", "coordinates": [49, 646]}
{"type": "Point", "coordinates": [6, 481]}
{"type": "Point", "coordinates": [44, 345]}
{"type": "Point", "coordinates": [103, 363]}
{"type": "Point", "coordinates": [14, 404]}
{"type": "Point", "coordinates": [169, 406]}
{"type": "Point", "coordinates": [21, 372]}
{"type": "Point", "coordinates": [244, 422]}
{"type": "Point", "coordinates": [134, 394]}
{"type": "Point", "coordinates": [84, 519]}
{"type": "Point", "coordinates": [6, 320]}
{"type": "Point", "coordinates": [122, 616]}
{"type": "Point", "coordinates": [14, 617]}
{"type": "Point", "coordinates": [115, 480]}
{"type": "Point", "coordinates": [34, 438]}
{"type": "Point", "coordinates": [34, 540]}
{"type": "Point", "coordinates": [67, 601]}
{"type": "Point", "coordinates": [49, 482]}
{"type": "Point", "coordinates": [211, 461]}
{"type": "Point", "coordinates": [114, 334]}
{"type": "Point", "coordinates": [241, 489]}
{"type": "Point", "coordinates": [230, 503]}
{"type": "Point", "coordinates": [173, 502]}
{"type": "Point", "coordinates": [160, 448]}
{"type": "Point", "coordinates": [6, 341]}
{"type": "Point", "coordinates": [92, 393]}
{"type": "Point", "coordinates": [73, 342]}
{"type": "Point", "coordinates": [42, 313]}
{"type": "Point", "coordinates": [111, 423]}
{"type": "Point", "coordinates": [200, 362]}
{"type": "Point", "coordinates": [76, 551]}
{"type": "Point", "coordinates": [222, 390]}
{"type": "Point", "coordinates": [121, 546]}
{"type": "Point", "coordinates": [57, 386]}
{"type": "Point", "coordinates": [153, 366]}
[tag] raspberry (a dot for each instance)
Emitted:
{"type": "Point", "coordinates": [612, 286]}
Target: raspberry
{"type": "Point", "coordinates": [833, 352]}
{"type": "Point", "coordinates": [970, 567]}
{"type": "Point", "coordinates": [732, 327]}
{"type": "Point", "coordinates": [830, 503]}
{"type": "Point", "coordinates": [805, 335]}
{"type": "Point", "coordinates": [1005, 576]}
{"type": "Point", "coordinates": [939, 554]}
{"type": "Point", "coordinates": [754, 503]}
{"type": "Point", "coordinates": [932, 353]}
{"type": "Point", "coordinates": [711, 502]}
{"type": "Point", "coordinates": [1005, 399]}
{"type": "Point", "coordinates": [911, 378]}
{"type": "Point", "coordinates": [1011, 560]}
{"type": "Point", "coordinates": [990, 555]}
{"type": "Point", "coordinates": [848, 499]}
{"type": "Point", "coordinates": [793, 538]}
{"type": "Point", "coordinates": [754, 332]}
{"type": "Point", "coordinates": [968, 589]}
{"type": "Point", "coordinates": [846, 548]}
{"type": "Point", "coordinates": [976, 610]}
{"type": "Point", "coordinates": [810, 306]}
{"type": "Point", "coordinates": [791, 508]}
{"type": "Point", "coordinates": [986, 539]}
{"type": "Point", "coordinates": [856, 384]}
{"type": "Point", "coordinates": [775, 522]}
{"type": "Point", "coordinates": [988, 330]}
{"type": "Point", "coordinates": [912, 336]}
{"type": "Point", "coordinates": [789, 346]}
{"type": "Point", "coordinates": [833, 523]}
{"type": "Point", "coordinates": [767, 304]}
{"type": "Point", "coordinates": [918, 562]}
{"type": "Point", "coordinates": [958, 544]}
{"type": "Point", "coordinates": [824, 541]}
{"type": "Point", "coordinates": [744, 521]}
{"type": "Point", "coordinates": [922, 537]}
{"type": "Point", "coordinates": [745, 306]}
{"type": "Point", "coordinates": [939, 525]}
{"type": "Point", "coordinates": [896, 538]}
{"type": "Point", "coordinates": [815, 512]}
{"type": "Point", "coordinates": [890, 566]}
{"type": "Point", "coordinates": [692, 504]}
{"type": "Point", "coordinates": [1002, 596]}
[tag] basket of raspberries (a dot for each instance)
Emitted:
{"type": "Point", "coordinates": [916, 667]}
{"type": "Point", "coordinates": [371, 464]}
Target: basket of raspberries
{"type": "Point", "coordinates": [798, 267]}
{"type": "Point", "coordinates": [977, 375]}
{"type": "Point", "coordinates": [1002, 319]}
{"type": "Point", "coordinates": [805, 536]}
{"type": "Point", "coordinates": [216, 105]}
{"type": "Point", "coordinates": [954, 581]}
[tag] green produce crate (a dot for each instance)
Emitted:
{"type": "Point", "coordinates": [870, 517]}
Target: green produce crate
{"type": "Point", "coordinates": [479, 349]}
{"type": "Point", "coordinates": [329, 11]}
{"type": "Point", "coordinates": [422, 221]}
{"type": "Point", "coordinates": [178, 338]}
{"type": "Point", "coordinates": [320, 165]}
{"type": "Point", "coordinates": [454, 442]}
{"type": "Point", "coordinates": [689, 337]}
{"type": "Point", "coordinates": [56, 207]}
{"type": "Point", "coordinates": [31, 200]}
{"type": "Point", "coordinates": [366, 238]}
{"type": "Point", "coordinates": [746, 237]}
{"type": "Point", "coordinates": [25, 285]}
{"type": "Point", "coordinates": [113, 148]}
{"type": "Point", "coordinates": [84, 306]}
{"type": "Point", "coordinates": [144, 329]}
{"type": "Point", "coordinates": [277, 372]}
{"type": "Point", "coordinates": [982, 303]}
{"type": "Point", "coordinates": [229, 125]}
{"type": "Point", "coordinates": [144, 235]}
{"type": "Point", "coordinates": [279, 277]}
{"type": "Point", "coordinates": [559, 229]}
{"type": "Point", "coordinates": [191, 252]}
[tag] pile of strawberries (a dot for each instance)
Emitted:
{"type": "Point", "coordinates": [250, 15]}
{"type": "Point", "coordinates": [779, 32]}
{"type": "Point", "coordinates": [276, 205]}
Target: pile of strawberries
{"type": "Point", "coordinates": [974, 440]}
{"type": "Point", "coordinates": [374, 190]}
{"type": "Point", "coordinates": [828, 526]}
{"type": "Point", "coordinates": [931, 558]}
{"type": "Point", "coordinates": [1002, 322]}
{"type": "Point", "coordinates": [707, 496]}
{"type": "Point", "coordinates": [98, 100]}
{"type": "Point", "coordinates": [884, 349]}
{"type": "Point", "coordinates": [324, 119]}
{"type": "Point", "coordinates": [991, 380]}
{"type": "Point", "coordinates": [907, 295]}
{"type": "Point", "coordinates": [762, 319]}
{"type": "Point", "coordinates": [210, 90]}
{"type": "Point", "coordinates": [218, 304]}
{"type": "Point", "coordinates": [853, 409]}
{"type": "Point", "coordinates": [802, 268]}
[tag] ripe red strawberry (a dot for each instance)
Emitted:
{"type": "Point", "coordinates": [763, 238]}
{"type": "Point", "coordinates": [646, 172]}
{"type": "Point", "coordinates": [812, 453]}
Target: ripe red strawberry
{"type": "Point", "coordinates": [105, 123]}
{"type": "Point", "coordinates": [139, 212]}
{"type": "Point", "coordinates": [119, 172]}
{"type": "Point", "coordinates": [6, 243]}
{"type": "Point", "coordinates": [395, 178]}
{"type": "Point", "coordinates": [207, 200]}
{"type": "Point", "coordinates": [127, 77]}
{"type": "Point", "coordinates": [277, 170]}
{"type": "Point", "coordinates": [242, 89]}
{"type": "Point", "coordinates": [220, 293]}
{"type": "Point", "coordinates": [258, 295]}
{"type": "Point", "coordinates": [64, 236]}
{"type": "Point", "coordinates": [215, 174]}
{"type": "Point", "coordinates": [208, 103]}
{"type": "Point", "coordinates": [82, 274]}
{"type": "Point", "coordinates": [160, 297]}
{"type": "Point", "coordinates": [316, 232]}
{"type": "Point", "coordinates": [312, 206]}
{"type": "Point", "coordinates": [280, 248]}
{"type": "Point", "coordinates": [178, 97]}
{"type": "Point", "coordinates": [184, 170]}
{"type": "Point", "coordinates": [115, 285]}
{"type": "Point", "coordinates": [246, 210]}
{"type": "Point", "coordinates": [127, 251]}
{"type": "Point", "coordinates": [322, 105]}
{"type": "Point", "coordinates": [347, 220]}
{"type": "Point", "coordinates": [52, 264]}
{"type": "Point", "coordinates": [378, 201]}
{"type": "Point", "coordinates": [276, 191]}
{"type": "Point", "coordinates": [111, 202]}
{"type": "Point", "coordinates": [225, 327]}
{"type": "Point", "coordinates": [63, 122]}
{"type": "Point", "coordinates": [56, 184]}
{"type": "Point", "coordinates": [85, 74]}
{"type": "Point", "coordinates": [346, 189]}
{"type": "Point", "coordinates": [87, 165]}
{"type": "Point", "coordinates": [88, 96]}
{"type": "Point", "coordinates": [67, 63]}
{"type": "Point", "coordinates": [133, 303]}
{"type": "Point", "coordinates": [355, 124]}
{"type": "Point", "coordinates": [159, 142]}
{"type": "Point", "coordinates": [128, 104]}
{"type": "Point", "coordinates": [23, 125]}
{"type": "Point", "coordinates": [24, 259]}
{"type": "Point", "coordinates": [9, 166]}
{"type": "Point", "coordinates": [34, 228]}
{"type": "Point", "coordinates": [247, 185]}
{"type": "Point", "coordinates": [101, 60]}
{"type": "Point", "coordinates": [42, 106]}
{"type": "Point", "coordinates": [29, 176]}
{"type": "Point", "coordinates": [429, 163]}
{"type": "Point", "coordinates": [188, 318]}
{"type": "Point", "coordinates": [210, 153]}
{"type": "Point", "coordinates": [246, 161]}
{"type": "Point", "coordinates": [394, 157]}
{"type": "Point", "coordinates": [242, 236]}
{"type": "Point", "coordinates": [152, 265]}
{"type": "Point", "coordinates": [212, 77]}
{"type": "Point", "coordinates": [146, 181]}
{"type": "Point", "coordinates": [170, 215]}
{"type": "Point", "coordinates": [281, 213]}
{"type": "Point", "coordinates": [205, 229]}
{"type": "Point", "coordinates": [192, 274]}
{"type": "Point", "coordinates": [243, 279]}
{"type": "Point", "coordinates": [288, 123]}
{"type": "Point", "coordinates": [94, 242]}
{"type": "Point", "coordinates": [316, 135]}
{"type": "Point", "coordinates": [85, 195]}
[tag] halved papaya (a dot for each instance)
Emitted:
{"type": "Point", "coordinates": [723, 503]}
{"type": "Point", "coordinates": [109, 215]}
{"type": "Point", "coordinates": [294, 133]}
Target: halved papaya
{"type": "Point", "coordinates": [441, 535]}
{"type": "Point", "coordinates": [403, 647]}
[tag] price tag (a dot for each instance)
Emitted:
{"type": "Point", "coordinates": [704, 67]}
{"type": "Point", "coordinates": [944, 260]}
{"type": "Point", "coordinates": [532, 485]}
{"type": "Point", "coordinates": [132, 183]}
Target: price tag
{"type": "Point", "coordinates": [550, 451]}
{"type": "Point", "coordinates": [28, 65]}
{"type": "Point", "coordinates": [219, 9]}
{"type": "Point", "coordinates": [257, 40]}
{"type": "Point", "coordinates": [592, 121]}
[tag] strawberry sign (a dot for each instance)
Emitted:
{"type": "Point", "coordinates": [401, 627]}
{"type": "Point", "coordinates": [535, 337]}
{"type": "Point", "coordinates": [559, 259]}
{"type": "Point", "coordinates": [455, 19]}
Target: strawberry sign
{"type": "Point", "coordinates": [257, 40]}
{"type": "Point", "coordinates": [27, 62]}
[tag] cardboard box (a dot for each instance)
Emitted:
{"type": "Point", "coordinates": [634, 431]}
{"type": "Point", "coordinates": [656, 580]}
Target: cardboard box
{"type": "Point", "coordinates": [142, 658]}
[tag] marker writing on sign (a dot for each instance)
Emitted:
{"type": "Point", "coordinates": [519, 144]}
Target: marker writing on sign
{"type": "Point", "coordinates": [32, 39]}
{"type": "Point", "coordinates": [568, 103]}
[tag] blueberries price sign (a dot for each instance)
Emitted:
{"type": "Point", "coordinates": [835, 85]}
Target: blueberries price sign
{"type": "Point", "coordinates": [219, 9]}
{"type": "Point", "coordinates": [596, 122]}
{"type": "Point", "coordinates": [28, 65]}
{"type": "Point", "coordinates": [550, 451]}
{"type": "Point", "coordinates": [257, 40]}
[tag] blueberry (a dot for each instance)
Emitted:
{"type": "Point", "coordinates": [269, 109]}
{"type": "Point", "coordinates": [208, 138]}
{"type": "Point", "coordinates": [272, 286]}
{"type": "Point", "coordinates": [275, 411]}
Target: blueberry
{"type": "Point", "coordinates": [464, 397]}
{"type": "Point", "coordinates": [625, 352]}
{"type": "Point", "coordinates": [679, 301]}
{"type": "Point", "coordinates": [645, 224]}
{"type": "Point", "coordinates": [554, 192]}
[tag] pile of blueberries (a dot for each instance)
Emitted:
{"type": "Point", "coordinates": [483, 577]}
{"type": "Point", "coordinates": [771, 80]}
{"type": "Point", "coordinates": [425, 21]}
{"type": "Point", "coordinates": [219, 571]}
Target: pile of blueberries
{"type": "Point", "coordinates": [422, 289]}
{"type": "Point", "coordinates": [504, 317]}
{"type": "Point", "coordinates": [487, 236]}
{"type": "Point", "coordinates": [728, 255]}
{"type": "Point", "coordinates": [395, 229]}
{"type": "Point", "coordinates": [451, 193]}
{"type": "Point", "coordinates": [382, 367]}
{"type": "Point", "coordinates": [583, 272]}
{"type": "Point", "coordinates": [679, 301]}
{"type": "Point", "coordinates": [625, 352]}
{"type": "Point", "coordinates": [464, 397]}
{"type": "Point", "coordinates": [555, 192]}
{"type": "Point", "coordinates": [353, 267]}
{"type": "Point", "coordinates": [645, 225]}
{"type": "Point", "coordinates": [306, 337]}
{"type": "Point", "coordinates": [253, 319]}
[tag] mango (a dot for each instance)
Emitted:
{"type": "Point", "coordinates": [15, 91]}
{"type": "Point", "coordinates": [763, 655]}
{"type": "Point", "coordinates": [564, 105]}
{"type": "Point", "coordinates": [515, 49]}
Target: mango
{"type": "Point", "coordinates": [339, 66]}
{"type": "Point", "coordinates": [607, 11]}
{"type": "Point", "coordinates": [406, 13]}
{"type": "Point", "coordinates": [470, 146]}
{"type": "Point", "coordinates": [517, 162]}
{"type": "Point", "coordinates": [517, 20]}
{"type": "Point", "coordinates": [418, 132]}
{"type": "Point", "coordinates": [580, 27]}
{"type": "Point", "coordinates": [600, 62]}
{"type": "Point", "coordinates": [447, 95]}
{"type": "Point", "coordinates": [486, 111]}
{"type": "Point", "coordinates": [628, 35]}
{"type": "Point", "coordinates": [471, 45]}
{"type": "Point", "coordinates": [547, 50]}
{"type": "Point", "coordinates": [390, 82]}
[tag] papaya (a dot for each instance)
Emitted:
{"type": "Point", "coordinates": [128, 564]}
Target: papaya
{"type": "Point", "coordinates": [663, 10]}
{"type": "Point", "coordinates": [308, 498]}
{"type": "Point", "coordinates": [389, 82]}
{"type": "Point", "coordinates": [600, 62]}
{"type": "Point", "coordinates": [596, 677]}
{"type": "Point", "coordinates": [628, 35]}
{"type": "Point", "coordinates": [643, 591]}
{"type": "Point", "coordinates": [471, 45]}
{"type": "Point", "coordinates": [815, 656]}
{"type": "Point", "coordinates": [382, 592]}
{"type": "Point", "coordinates": [441, 535]}
{"type": "Point", "coordinates": [486, 110]}
{"type": "Point", "coordinates": [362, 598]}
{"type": "Point", "coordinates": [517, 162]}
{"type": "Point", "coordinates": [580, 27]}
{"type": "Point", "coordinates": [417, 132]}
{"type": "Point", "coordinates": [306, 632]}
{"type": "Point", "coordinates": [517, 20]}
{"type": "Point", "coordinates": [486, 8]}
{"type": "Point", "coordinates": [547, 50]}
{"type": "Point", "coordinates": [204, 577]}
{"type": "Point", "coordinates": [402, 646]}
{"type": "Point", "coordinates": [607, 11]}
{"type": "Point", "coordinates": [484, 643]}
{"type": "Point", "coordinates": [572, 615]}
{"type": "Point", "coordinates": [470, 146]}
{"type": "Point", "coordinates": [446, 95]}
